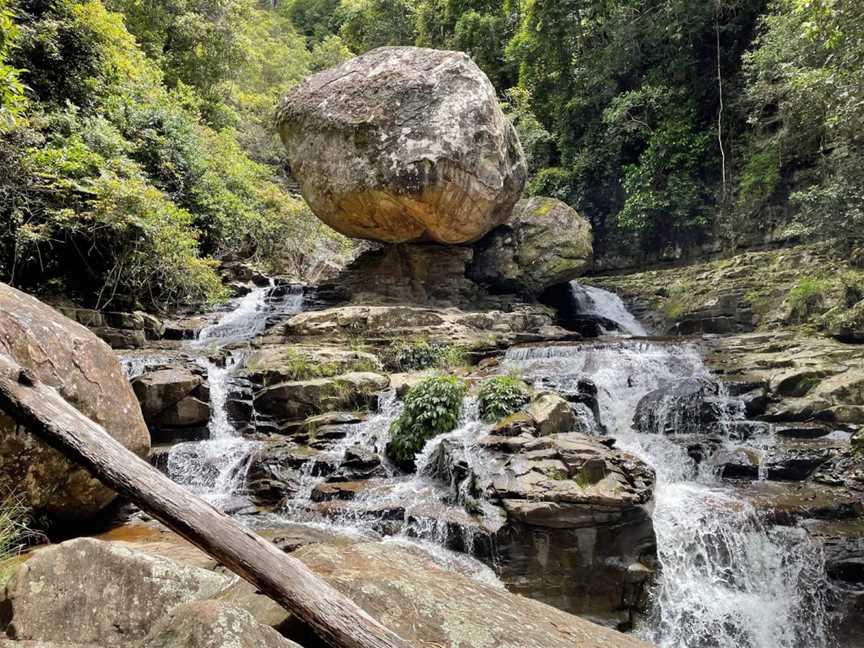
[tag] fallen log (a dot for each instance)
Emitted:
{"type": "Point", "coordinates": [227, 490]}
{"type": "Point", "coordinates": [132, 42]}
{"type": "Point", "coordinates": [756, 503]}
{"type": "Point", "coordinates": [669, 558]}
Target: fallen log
{"type": "Point", "coordinates": [333, 617]}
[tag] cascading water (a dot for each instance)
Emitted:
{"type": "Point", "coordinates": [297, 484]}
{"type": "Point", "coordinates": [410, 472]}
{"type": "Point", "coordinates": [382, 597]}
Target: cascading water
{"type": "Point", "coordinates": [727, 579]}
{"type": "Point", "coordinates": [606, 306]}
{"type": "Point", "coordinates": [215, 467]}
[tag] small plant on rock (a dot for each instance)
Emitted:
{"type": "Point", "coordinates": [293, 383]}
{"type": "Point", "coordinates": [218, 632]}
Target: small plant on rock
{"type": "Point", "coordinates": [501, 396]}
{"type": "Point", "coordinates": [418, 354]}
{"type": "Point", "coordinates": [432, 407]}
{"type": "Point", "coordinates": [12, 531]}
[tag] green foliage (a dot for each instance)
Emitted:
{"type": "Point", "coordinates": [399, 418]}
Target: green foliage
{"type": "Point", "coordinates": [13, 529]}
{"type": "Point", "coordinates": [807, 298]}
{"type": "Point", "coordinates": [419, 353]}
{"type": "Point", "coordinates": [431, 408]}
{"type": "Point", "coordinates": [805, 90]}
{"type": "Point", "coordinates": [11, 89]}
{"type": "Point", "coordinates": [367, 24]}
{"type": "Point", "coordinates": [125, 180]}
{"type": "Point", "coordinates": [501, 396]}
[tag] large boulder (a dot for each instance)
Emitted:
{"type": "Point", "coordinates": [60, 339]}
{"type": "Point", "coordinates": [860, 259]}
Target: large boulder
{"type": "Point", "coordinates": [404, 144]}
{"type": "Point", "coordinates": [92, 592]}
{"type": "Point", "coordinates": [545, 243]}
{"type": "Point", "coordinates": [84, 370]}
{"type": "Point", "coordinates": [428, 606]}
{"type": "Point", "coordinates": [210, 624]}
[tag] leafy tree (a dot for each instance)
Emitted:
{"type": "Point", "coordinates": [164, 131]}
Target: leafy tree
{"type": "Point", "coordinates": [367, 24]}
{"type": "Point", "coordinates": [11, 89]}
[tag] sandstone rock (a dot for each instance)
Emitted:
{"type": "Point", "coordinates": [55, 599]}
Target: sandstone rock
{"type": "Point", "coordinates": [88, 591]}
{"type": "Point", "coordinates": [404, 144]}
{"type": "Point", "coordinates": [578, 532]}
{"type": "Point", "coordinates": [472, 329]}
{"type": "Point", "coordinates": [210, 624]}
{"type": "Point", "coordinates": [272, 365]}
{"type": "Point", "coordinates": [298, 400]}
{"type": "Point", "coordinates": [421, 274]}
{"type": "Point", "coordinates": [86, 372]}
{"type": "Point", "coordinates": [551, 413]}
{"type": "Point", "coordinates": [159, 390]}
{"type": "Point", "coordinates": [119, 338]}
{"type": "Point", "coordinates": [429, 606]}
{"type": "Point", "coordinates": [546, 243]}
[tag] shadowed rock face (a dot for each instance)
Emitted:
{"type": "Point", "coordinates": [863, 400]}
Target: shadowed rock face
{"type": "Point", "coordinates": [404, 144]}
{"type": "Point", "coordinates": [85, 371]}
{"type": "Point", "coordinates": [545, 243]}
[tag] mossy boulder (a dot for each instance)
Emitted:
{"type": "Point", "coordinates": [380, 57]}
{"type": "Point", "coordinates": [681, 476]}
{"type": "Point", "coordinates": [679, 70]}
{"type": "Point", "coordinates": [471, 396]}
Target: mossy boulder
{"type": "Point", "coordinates": [545, 243]}
{"type": "Point", "coordinates": [847, 325]}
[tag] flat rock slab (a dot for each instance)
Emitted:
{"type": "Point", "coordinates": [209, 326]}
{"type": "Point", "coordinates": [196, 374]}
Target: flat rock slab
{"type": "Point", "coordinates": [429, 606]}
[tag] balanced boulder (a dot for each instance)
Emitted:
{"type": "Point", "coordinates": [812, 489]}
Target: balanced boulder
{"type": "Point", "coordinates": [404, 144]}
{"type": "Point", "coordinates": [546, 243]}
{"type": "Point", "coordinates": [84, 370]}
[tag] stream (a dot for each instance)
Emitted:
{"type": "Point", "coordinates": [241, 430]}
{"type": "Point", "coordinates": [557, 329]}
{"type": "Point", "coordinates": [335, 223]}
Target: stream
{"type": "Point", "coordinates": [727, 578]}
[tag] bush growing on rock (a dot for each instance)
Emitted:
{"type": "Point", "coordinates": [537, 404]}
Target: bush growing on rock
{"type": "Point", "coordinates": [432, 407]}
{"type": "Point", "coordinates": [418, 354]}
{"type": "Point", "coordinates": [501, 396]}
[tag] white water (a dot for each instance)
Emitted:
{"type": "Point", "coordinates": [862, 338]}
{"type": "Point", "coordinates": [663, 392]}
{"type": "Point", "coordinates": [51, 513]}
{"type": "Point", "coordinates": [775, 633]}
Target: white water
{"type": "Point", "coordinates": [215, 468]}
{"type": "Point", "coordinates": [608, 305]}
{"type": "Point", "coordinates": [727, 580]}
{"type": "Point", "coordinates": [249, 315]}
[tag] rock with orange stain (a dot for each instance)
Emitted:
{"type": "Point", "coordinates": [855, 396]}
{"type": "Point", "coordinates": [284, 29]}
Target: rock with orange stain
{"type": "Point", "coordinates": [404, 144]}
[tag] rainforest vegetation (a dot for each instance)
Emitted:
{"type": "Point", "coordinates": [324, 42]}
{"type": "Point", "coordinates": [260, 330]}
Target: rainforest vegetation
{"type": "Point", "coordinates": [137, 144]}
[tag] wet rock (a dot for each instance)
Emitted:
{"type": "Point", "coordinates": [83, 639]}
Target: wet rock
{"type": "Point", "coordinates": [551, 413]}
{"type": "Point", "coordinates": [577, 524]}
{"type": "Point", "coordinates": [687, 406]}
{"type": "Point", "coordinates": [211, 624]}
{"type": "Point", "coordinates": [94, 592]}
{"type": "Point", "coordinates": [158, 390]}
{"type": "Point", "coordinates": [518, 424]}
{"type": "Point", "coordinates": [298, 400]}
{"type": "Point", "coordinates": [274, 471]}
{"type": "Point", "coordinates": [441, 163]}
{"type": "Point", "coordinates": [68, 357]}
{"type": "Point", "coordinates": [427, 605]}
{"type": "Point", "coordinates": [343, 490]}
{"type": "Point", "coordinates": [545, 243]}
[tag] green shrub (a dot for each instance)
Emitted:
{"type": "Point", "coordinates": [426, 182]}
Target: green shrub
{"type": "Point", "coordinates": [418, 354]}
{"type": "Point", "coordinates": [807, 298]}
{"type": "Point", "coordinates": [501, 396]}
{"type": "Point", "coordinates": [431, 408]}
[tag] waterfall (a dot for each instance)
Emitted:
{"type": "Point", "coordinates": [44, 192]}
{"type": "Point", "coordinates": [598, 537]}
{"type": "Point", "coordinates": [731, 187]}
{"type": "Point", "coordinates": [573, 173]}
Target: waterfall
{"type": "Point", "coordinates": [607, 306]}
{"type": "Point", "coordinates": [249, 315]}
{"type": "Point", "coordinates": [215, 468]}
{"type": "Point", "coordinates": [727, 579]}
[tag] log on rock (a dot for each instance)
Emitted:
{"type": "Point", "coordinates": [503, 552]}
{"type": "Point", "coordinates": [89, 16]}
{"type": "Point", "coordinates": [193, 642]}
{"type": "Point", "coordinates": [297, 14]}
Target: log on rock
{"type": "Point", "coordinates": [332, 616]}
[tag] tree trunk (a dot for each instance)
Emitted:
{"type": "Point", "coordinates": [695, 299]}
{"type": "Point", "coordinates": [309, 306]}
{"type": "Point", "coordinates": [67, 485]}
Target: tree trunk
{"type": "Point", "coordinates": [333, 617]}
